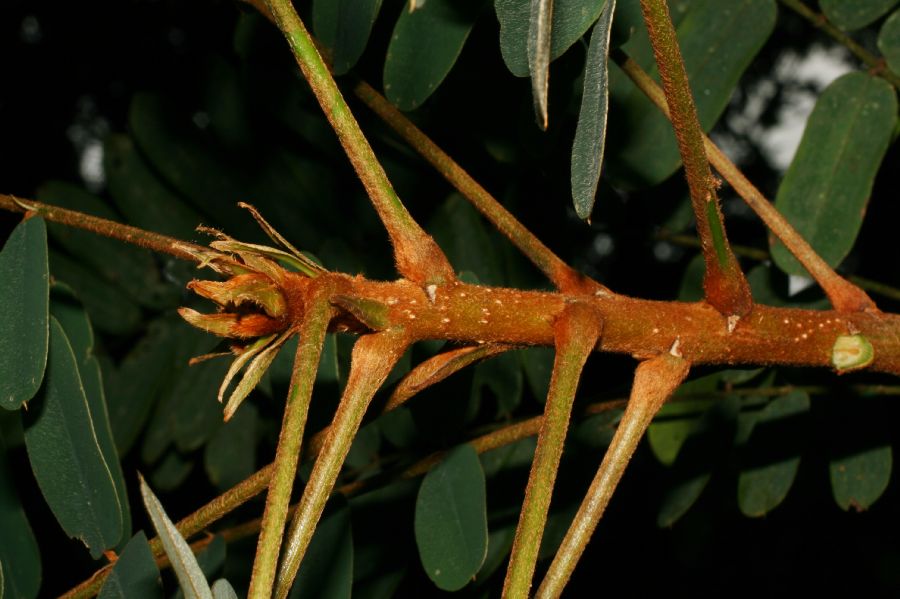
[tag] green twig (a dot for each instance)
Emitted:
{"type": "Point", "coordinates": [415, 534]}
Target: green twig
{"type": "Point", "coordinates": [820, 21]}
{"type": "Point", "coordinates": [418, 256]}
{"type": "Point", "coordinates": [372, 359]}
{"type": "Point", "coordinates": [561, 274]}
{"type": "Point", "coordinates": [577, 332]}
{"type": "Point", "coordinates": [843, 295]}
{"type": "Point", "coordinates": [312, 336]}
{"type": "Point", "coordinates": [654, 381]}
{"type": "Point", "coordinates": [724, 283]}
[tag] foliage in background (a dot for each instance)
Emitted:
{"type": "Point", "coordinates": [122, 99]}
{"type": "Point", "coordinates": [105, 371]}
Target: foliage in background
{"type": "Point", "coordinates": [91, 341]}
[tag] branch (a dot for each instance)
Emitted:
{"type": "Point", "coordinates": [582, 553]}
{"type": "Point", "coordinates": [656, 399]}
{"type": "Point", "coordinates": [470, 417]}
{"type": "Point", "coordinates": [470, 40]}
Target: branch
{"type": "Point", "coordinates": [373, 358]}
{"type": "Point", "coordinates": [820, 21]}
{"type": "Point", "coordinates": [312, 336]}
{"type": "Point", "coordinates": [418, 256]}
{"type": "Point", "coordinates": [843, 295]}
{"type": "Point", "coordinates": [107, 228]}
{"type": "Point", "coordinates": [576, 332]}
{"type": "Point", "coordinates": [726, 288]}
{"type": "Point", "coordinates": [563, 276]}
{"type": "Point", "coordinates": [654, 381]}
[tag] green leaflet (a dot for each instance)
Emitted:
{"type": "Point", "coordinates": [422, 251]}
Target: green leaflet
{"type": "Point", "coordinates": [858, 480]}
{"type": "Point", "coordinates": [344, 26]}
{"type": "Point", "coordinates": [889, 41]}
{"type": "Point", "coordinates": [539, 25]}
{"type": "Point", "coordinates": [230, 455]}
{"type": "Point", "coordinates": [222, 589]}
{"type": "Point", "coordinates": [190, 577]}
{"type": "Point", "coordinates": [772, 454]}
{"type": "Point", "coordinates": [571, 18]}
{"type": "Point", "coordinates": [134, 574]}
{"type": "Point", "coordinates": [718, 41]}
{"type": "Point", "coordinates": [327, 568]}
{"type": "Point", "coordinates": [590, 133]}
{"type": "Point", "coordinates": [65, 455]}
{"type": "Point", "coordinates": [424, 47]}
{"type": "Point", "coordinates": [20, 558]}
{"type": "Point", "coordinates": [24, 296]}
{"type": "Point", "coordinates": [826, 189]}
{"type": "Point", "coordinates": [451, 520]}
{"type": "Point", "coordinates": [71, 315]}
{"type": "Point", "coordinates": [850, 15]}
{"type": "Point", "coordinates": [460, 231]}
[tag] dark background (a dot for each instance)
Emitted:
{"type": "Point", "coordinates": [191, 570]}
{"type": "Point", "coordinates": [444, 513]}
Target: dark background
{"type": "Point", "coordinates": [67, 75]}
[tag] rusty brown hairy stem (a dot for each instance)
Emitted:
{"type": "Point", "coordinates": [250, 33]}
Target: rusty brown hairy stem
{"type": "Point", "coordinates": [724, 283]}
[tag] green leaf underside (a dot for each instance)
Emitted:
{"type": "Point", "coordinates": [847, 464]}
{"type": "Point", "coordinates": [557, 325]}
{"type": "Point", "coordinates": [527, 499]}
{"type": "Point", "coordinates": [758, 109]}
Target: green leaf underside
{"type": "Point", "coordinates": [65, 457]}
{"type": "Point", "coordinates": [889, 41]}
{"type": "Point", "coordinates": [718, 41]}
{"type": "Point", "coordinates": [230, 455]}
{"type": "Point", "coordinates": [424, 47]}
{"type": "Point", "coordinates": [77, 326]}
{"type": "Point", "coordinates": [451, 520]}
{"type": "Point", "coordinates": [771, 457]}
{"type": "Point", "coordinates": [826, 189]}
{"type": "Point", "coordinates": [24, 295]}
{"type": "Point", "coordinates": [20, 558]}
{"type": "Point", "coordinates": [590, 133]}
{"type": "Point", "coordinates": [850, 15]}
{"type": "Point", "coordinates": [571, 19]}
{"type": "Point", "coordinates": [222, 589]}
{"type": "Point", "coordinates": [343, 26]}
{"type": "Point", "coordinates": [858, 480]}
{"type": "Point", "coordinates": [190, 576]}
{"type": "Point", "coordinates": [134, 574]}
{"type": "Point", "coordinates": [327, 568]}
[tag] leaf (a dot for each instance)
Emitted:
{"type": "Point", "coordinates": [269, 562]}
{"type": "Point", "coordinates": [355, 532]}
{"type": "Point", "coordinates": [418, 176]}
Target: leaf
{"type": "Point", "coordinates": [171, 470]}
{"type": "Point", "coordinates": [210, 559]}
{"type": "Point", "coordinates": [65, 457]}
{"type": "Point", "coordinates": [128, 268]}
{"type": "Point", "coordinates": [571, 19]}
{"type": "Point", "coordinates": [858, 479]}
{"type": "Point", "coordinates": [701, 453]}
{"type": "Point", "coordinates": [503, 377]}
{"type": "Point", "coordinates": [772, 455]}
{"type": "Point", "coordinates": [460, 231]}
{"type": "Point", "coordinates": [110, 309]}
{"type": "Point", "coordinates": [141, 378]}
{"type": "Point", "coordinates": [674, 423]}
{"type": "Point", "coordinates": [826, 189]}
{"type": "Point", "coordinates": [190, 577]}
{"type": "Point", "coordinates": [24, 297]}
{"type": "Point", "coordinates": [718, 41]}
{"type": "Point", "coordinates": [889, 41]}
{"type": "Point", "coordinates": [230, 455]}
{"type": "Point", "coordinates": [327, 568]}
{"type": "Point", "coordinates": [590, 133]}
{"type": "Point", "coordinates": [134, 574]}
{"type": "Point", "coordinates": [343, 26]}
{"type": "Point", "coordinates": [539, 24]}
{"type": "Point", "coordinates": [74, 321]}
{"type": "Point", "coordinates": [222, 589]}
{"type": "Point", "coordinates": [451, 520]}
{"type": "Point", "coordinates": [20, 558]}
{"type": "Point", "coordinates": [424, 47]}
{"type": "Point", "coordinates": [850, 15]}
{"type": "Point", "coordinates": [140, 195]}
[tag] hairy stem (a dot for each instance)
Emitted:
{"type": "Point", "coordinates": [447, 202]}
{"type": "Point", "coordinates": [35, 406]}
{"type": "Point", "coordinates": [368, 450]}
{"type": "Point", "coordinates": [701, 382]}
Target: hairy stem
{"type": "Point", "coordinates": [373, 358]}
{"type": "Point", "coordinates": [418, 256]}
{"type": "Point", "coordinates": [563, 276]}
{"type": "Point", "coordinates": [107, 228]}
{"type": "Point", "coordinates": [312, 337]}
{"type": "Point", "coordinates": [654, 381]}
{"type": "Point", "coordinates": [842, 294]}
{"type": "Point", "coordinates": [576, 332]}
{"type": "Point", "coordinates": [726, 288]}
{"type": "Point", "coordinates": [819, 20]}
